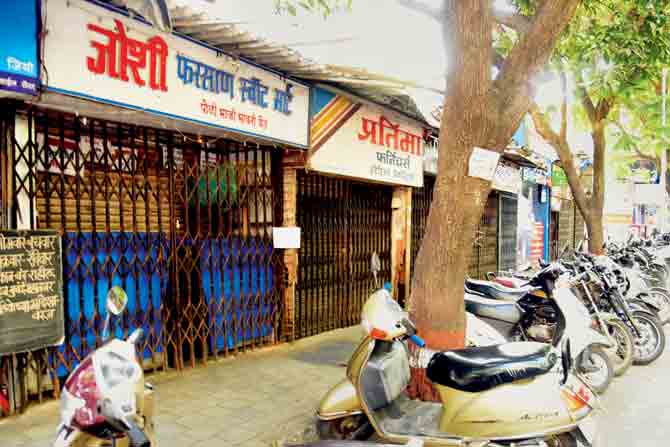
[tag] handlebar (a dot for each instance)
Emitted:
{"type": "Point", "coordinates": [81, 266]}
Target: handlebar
{"type": "Point", "coordinates": [135, 336]}
{"type": "Point", "coordinates": [418, 341]}
{"type": "Point", "coordinates": [136, 435]}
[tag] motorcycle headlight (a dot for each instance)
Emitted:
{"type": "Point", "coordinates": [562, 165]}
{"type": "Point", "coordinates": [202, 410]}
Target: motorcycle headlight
{"type": "Point", "coordinates": [117, 376]}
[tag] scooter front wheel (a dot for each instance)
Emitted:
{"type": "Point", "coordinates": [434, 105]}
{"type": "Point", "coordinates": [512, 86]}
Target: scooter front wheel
{"type": "Point", "coordinates": [661, 301]}
{"type": "Point", "coordinates": [351, 428]}
{"type": "Point", "coordinates": [622, 354]}
{"type": "Point", "coordinates": [650, 342]}
{"type": "Point", "coordinates": [600, 377]}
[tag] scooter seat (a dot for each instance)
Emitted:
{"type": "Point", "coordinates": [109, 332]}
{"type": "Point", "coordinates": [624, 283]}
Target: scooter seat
{"type": "Point", "coordinates": [494, 290]}
{"type": "Point", "coordinates": [482, 368]}
{"type": "Point", "coordinates": [485, 307]}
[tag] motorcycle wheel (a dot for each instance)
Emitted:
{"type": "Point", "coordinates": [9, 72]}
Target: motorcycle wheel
{"type": "Point", "coordinates": [661, 301]}
{"type": "Point", "coordinates": [600, 379]}
{"type": "Point", "coordinates": [622, 354]}
{"type": "Point", "coordinates": [351, 428]}
{"type": "Point", "coordinates": [650, 343]}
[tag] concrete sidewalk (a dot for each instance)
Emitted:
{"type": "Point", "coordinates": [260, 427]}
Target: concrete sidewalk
{"type": "Point", "coordinates": [252, 399]}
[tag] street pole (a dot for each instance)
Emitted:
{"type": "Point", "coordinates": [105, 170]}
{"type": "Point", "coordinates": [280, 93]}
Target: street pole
{"type": "Point", "coordinates": [664, 156]}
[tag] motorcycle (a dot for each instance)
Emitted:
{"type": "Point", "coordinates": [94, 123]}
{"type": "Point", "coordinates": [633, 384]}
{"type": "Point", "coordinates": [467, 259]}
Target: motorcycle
{"type": "Point", "coordinates": [647, 330]}
{"type": "Point", "coordinates": [537, 316]}
{"type": "Point", "coordinates": [105, 401]}
{"type": "Point", "coordinates": [516, 392]}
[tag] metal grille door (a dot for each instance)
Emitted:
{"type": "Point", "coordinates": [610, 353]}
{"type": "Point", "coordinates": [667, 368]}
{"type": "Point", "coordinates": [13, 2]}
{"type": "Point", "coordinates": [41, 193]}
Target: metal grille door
{"type": "Point", "coordinates": [343, 223]}
{"type": "Point", "coordinates": [421, 200]}
{"type": "Point", "coordinates": [507, 232]}
{"type": "Point", "coordinates": [483, 255]}
{"type": "Point", "coordinates": [182, 225]}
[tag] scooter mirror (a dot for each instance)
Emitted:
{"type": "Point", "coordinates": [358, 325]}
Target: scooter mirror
{"type": "Point", "coordinates": [117, 299]}
{"type": "Point", "coordinates": [375, 263]}
{"type": "Point", "coordinates": [375, 266]}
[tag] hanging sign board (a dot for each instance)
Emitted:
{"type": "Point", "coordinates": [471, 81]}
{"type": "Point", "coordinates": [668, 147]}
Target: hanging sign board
{"type": "Point", "coordinates": [507, 178]}
{"type": "Point", "coordinates": [31, 291]}
{"type": "Point", "coordinates": [483, 163]}
{"type": "Point", "coordinates": [286, 237]}
{"type": "Point", "coordinates": [98, 54]}
{"type": "Point", "coordinates": [19, 65]}
{"type": "Point", "coordinates": [364, 141]}
{"type": "Point", "coordinates": [430, 156]}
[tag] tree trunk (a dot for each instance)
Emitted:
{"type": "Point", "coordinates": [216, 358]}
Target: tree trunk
{"type": "Point", "coordinates": [478, 111]}
{"type": "Point", "coordinates": [437, 290]}
{"type": "Point", "coordinates": [436, 304]}
{"type": "Point", "coordinates": [596, 232]}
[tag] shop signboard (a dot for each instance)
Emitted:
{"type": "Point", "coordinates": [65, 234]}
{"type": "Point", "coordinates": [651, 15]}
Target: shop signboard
{"type": "Point", "coordinates": [534, 175]}
{"type": "Point", "coordinates": [19, 64]}
{"type": "Point", "coordinates": [558, 177]}
{"type": "Point", "coordinates": [96, 53]}
{"type": "Point", "coordinates": [31, 291]}
{"type": "Point", "coordinates": [365, 141]}
{"type": "Point", "coordinates": [430, 156]}
{"type": "Point", "coordinates": [507, 178]}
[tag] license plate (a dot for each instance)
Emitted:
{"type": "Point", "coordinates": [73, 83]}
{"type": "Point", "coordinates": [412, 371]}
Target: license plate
{"type": "Point", "coordinates": [589, 430]}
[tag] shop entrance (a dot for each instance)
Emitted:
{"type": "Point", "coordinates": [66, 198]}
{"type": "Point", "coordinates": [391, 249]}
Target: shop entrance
{"type": "Point", "coordinates": [507, 232]}
{"type": "Point", "coordinates": [182, 224]}
{"type": "Point", "coordinates": [343, 223]}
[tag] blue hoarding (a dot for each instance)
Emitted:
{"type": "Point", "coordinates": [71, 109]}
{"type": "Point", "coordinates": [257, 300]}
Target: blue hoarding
{"type": "Point", "coordinates": [19, 64]}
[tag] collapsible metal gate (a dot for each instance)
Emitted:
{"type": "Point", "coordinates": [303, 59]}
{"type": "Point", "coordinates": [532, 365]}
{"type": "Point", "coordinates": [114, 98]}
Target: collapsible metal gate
{"type": "Point", "coordinates": [483, 256]}
{"type": "Point", "coordinates": [507, 232]}
{"type": "Point", "coordinates": [184, 226]}
{"type": "Point", "coordinates": [421, 200]}
{"type": "Point", "coordinates": [343, 223]}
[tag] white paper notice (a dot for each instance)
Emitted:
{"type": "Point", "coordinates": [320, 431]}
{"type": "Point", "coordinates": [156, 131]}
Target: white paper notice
{"type": "Point", "coordinates": [286, 237]}
{"type": "Point", "coordinates": [483, 163]}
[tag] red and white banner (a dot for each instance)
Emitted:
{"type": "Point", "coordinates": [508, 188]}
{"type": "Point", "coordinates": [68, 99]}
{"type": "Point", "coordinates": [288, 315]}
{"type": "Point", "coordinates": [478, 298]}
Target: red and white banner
{"type": "Point", "coordinates": [98, 54]}
{"type": "Point", "coordinates": [369, 143]}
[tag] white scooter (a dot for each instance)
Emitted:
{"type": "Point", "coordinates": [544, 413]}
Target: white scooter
{"type": "Point", "coordinates": [105, 401]}
{"type": "Point", "coordinates": [549, 316]}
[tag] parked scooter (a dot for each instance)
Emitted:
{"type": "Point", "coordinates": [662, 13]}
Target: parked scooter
{"type": "Point", "coordinates": [105, 401]}
{"type": "Point", "coordinates": [550, 318]}
{"type": "Point", "coordinates": [515, 392]}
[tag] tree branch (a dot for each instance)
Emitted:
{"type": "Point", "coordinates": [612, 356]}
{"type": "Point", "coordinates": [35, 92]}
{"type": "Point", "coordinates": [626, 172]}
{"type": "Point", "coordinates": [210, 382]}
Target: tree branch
{"type": "Point", "coordinates": [603, 108]}
{"type": "Point", "coordinates": [532, 51]}
{"type": "Point", "coordinates": [543, 126]}
{"type": "Point", "coordinates": [516, 21]}
{"type": "Point", "coordinates": [430, 11]}
{"type": "Point", "coordinates": [564, 107]}
{"type": "Point", "coordinates": [649, 157]}
{"type": "Point", "coordinates": [588, 105]}
{"type": "Point", "coordinates": [565, 155]}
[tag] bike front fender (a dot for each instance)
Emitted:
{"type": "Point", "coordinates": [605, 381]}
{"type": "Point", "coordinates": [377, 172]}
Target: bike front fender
{"type": "Point", "coordinates": [340, 401]}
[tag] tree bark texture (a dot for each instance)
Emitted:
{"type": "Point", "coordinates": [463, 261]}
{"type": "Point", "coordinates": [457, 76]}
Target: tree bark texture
{"type": "Point", "coordinates": [478, 112]}
{"type": "Point", "coordinates": [596, 232]}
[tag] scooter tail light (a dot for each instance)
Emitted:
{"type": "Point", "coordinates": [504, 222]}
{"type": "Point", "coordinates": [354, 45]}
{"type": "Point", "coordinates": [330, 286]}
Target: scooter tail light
{"type": "Point", "coordinates": [578, 401]}
{"type": "Point", "coordinates": [574, 402]}
{"type": "Point", "coordinates": [378, 334]}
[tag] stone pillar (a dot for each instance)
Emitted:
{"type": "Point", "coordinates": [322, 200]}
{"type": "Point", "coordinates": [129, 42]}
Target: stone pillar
{"type": "Point", "coordinates": [401, 240]}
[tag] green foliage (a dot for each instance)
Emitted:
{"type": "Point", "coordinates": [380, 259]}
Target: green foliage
{"type": "Point", "coordinates": [617, 44]}
{"type": "Point", "coordinates": [325, 7]}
